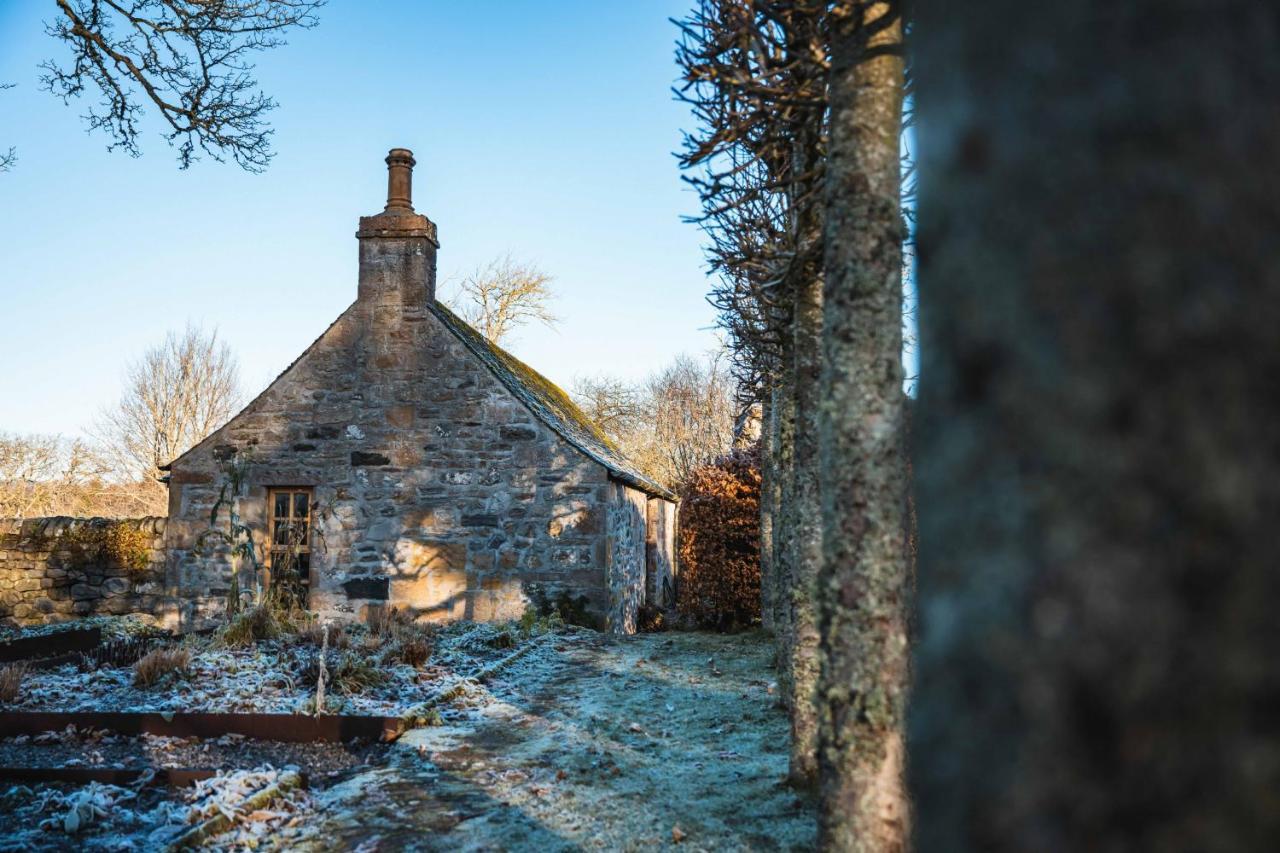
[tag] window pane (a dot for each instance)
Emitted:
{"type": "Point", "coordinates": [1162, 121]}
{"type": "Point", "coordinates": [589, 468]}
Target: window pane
{"type": "Point", "coordinates": [282, 505]}
{"type": "Point", "coordinates": [282, 533]}
{"type": "Point", "coordinates": [301, 502]}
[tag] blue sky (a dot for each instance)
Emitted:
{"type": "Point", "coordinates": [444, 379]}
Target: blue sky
{"type": "Point", "coordinates": [540, 129]}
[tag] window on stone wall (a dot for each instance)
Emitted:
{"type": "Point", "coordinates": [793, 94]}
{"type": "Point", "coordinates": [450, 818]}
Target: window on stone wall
{"type": "Point", "coordinates": [289, 558]}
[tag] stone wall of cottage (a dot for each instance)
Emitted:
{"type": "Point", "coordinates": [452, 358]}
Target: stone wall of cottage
{"type": "Point", "coordinates": [54, 570]}
{"type": "Point", "coordinates": [627, 513]}
{"type": "Point", "coordinates": [435, 488]}
{"type": "Point", "coordinates": [660, 552]}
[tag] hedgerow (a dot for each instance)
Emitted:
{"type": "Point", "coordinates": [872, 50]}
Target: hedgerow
{"type": "Point", "coordinates": [720, 542]}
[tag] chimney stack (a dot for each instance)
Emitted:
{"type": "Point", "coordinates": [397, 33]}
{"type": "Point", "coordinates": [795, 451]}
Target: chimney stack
{"type": "Point", "coordinates": [398, 246]}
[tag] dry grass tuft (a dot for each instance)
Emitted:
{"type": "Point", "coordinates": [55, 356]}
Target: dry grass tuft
{"type": "Point", "coordinates": [409, 649]}
{"type": "Point", "coordinates": [355, 674]}
{"type": "Point", "coordinates": [11, 682]}
{"type": "Point", "coordinates": [155, 665]}
{"type": "Point", "coordinates": [312, 633]}
{"type": "Point", "coordinates": [260, 623]}
{"type": "Point", "coordinates": [389, 621]}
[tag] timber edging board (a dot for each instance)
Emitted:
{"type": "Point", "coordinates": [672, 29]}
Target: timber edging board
{"type": "Point", "coordinates": [47, 645]}
{"type": "Point", "coordinates": [291, 728]}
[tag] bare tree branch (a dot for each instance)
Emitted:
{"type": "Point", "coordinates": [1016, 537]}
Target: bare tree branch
{"type": "Point", "coordinates": [176, 394]}
{"type": "Point", "coordinates": [498, 298]}
{"type": "Point", "coordinates": [9, 157]}
{"type": "Point", "coordinates": [43, 475]}
{"type": "Point", "coordinates": [678, 419]}
{"type": "Point", "coordinates": [187, 58]}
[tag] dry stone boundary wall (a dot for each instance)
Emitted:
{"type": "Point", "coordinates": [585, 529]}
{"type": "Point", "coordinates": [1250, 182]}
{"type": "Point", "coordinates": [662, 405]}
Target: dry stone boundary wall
{"type": "Point", "coordinates": [55, 570]}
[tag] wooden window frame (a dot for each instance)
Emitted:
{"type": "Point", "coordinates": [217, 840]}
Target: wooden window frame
{"type": "Point", "coordinates": [304, 547]}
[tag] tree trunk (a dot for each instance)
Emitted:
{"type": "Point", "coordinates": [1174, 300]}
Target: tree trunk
{"type": "Point", "coordinates": [863, 580]}
{"type": "Point", "coordinates": [1098, 460]}
{"type": "Point", "coordinates": [806, 541]}
{"type": "Point", "coordinates": [768, 443]}
{"type": "Point", "coordinates": [784, 523]}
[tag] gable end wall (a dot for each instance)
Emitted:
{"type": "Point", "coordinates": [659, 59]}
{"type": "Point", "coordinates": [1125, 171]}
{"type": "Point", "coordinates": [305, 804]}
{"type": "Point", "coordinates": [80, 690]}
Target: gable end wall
{"type": "Point", "coordinates": [435, 488]}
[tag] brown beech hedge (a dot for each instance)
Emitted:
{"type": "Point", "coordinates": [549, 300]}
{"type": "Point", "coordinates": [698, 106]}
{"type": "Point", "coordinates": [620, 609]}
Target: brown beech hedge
{"type": "Point", "coordinates": [720, 542]}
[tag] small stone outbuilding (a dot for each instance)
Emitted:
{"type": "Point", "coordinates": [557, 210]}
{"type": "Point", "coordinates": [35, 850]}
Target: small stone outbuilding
{"type": "Point", "coordinates": [408, 461]}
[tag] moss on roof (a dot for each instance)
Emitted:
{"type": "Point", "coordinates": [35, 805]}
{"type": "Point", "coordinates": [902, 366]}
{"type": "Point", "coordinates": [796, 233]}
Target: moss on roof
{"type": "Point", "coordinates": [550, 404]}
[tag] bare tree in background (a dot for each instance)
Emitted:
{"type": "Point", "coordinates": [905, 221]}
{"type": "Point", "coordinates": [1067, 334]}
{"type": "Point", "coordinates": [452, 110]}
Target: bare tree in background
{"type": "Point", "coordinates": [612, 403]}
{"type": "Point", "coordinates": [44, 475]}
{"type": "Point", "coordinates": [175, 395]}
{"type": "Point", "coordinates": [29, 465]}
{"type": "Point", "coordinates": [187, 59]}
{"type": "Point", "coordinates": [691, 408]}
{"type": "Point", "coordinates": [678, 419]}
{"type": "Point", "coordinates": [504, 295]}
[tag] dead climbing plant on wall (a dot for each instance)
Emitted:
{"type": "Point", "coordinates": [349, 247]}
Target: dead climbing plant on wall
{"type": "Point", "coordinates": [233, 534]}
{"type": "Point", "coordinates": [120, 543]}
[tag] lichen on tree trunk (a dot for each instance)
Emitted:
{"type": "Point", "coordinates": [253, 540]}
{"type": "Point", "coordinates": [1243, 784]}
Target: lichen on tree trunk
{"type": "Point", "coordinates": [806, 537]}
{"type": "Point", "coordinates": [863, 580]}
{"type": "Point", "coordinates": [784, 524]}
{"type": "Point", "coordinates": [768, 507]}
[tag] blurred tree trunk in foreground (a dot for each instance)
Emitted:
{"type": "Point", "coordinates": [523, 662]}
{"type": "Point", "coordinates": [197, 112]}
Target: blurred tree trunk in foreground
{"type": "Point", "coordinates": [1097, 470]}
{"type": "Point", "coordinates": [862, 585]}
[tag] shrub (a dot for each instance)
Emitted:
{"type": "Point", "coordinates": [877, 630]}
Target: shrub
{"type": "Point", "coordinates": [122, 543]}
{"type": "Point", "coordinates": [720, 542]}
{"type": "Point", "coordinates": [155, 665]}
{"type": "Point", "coordinates": [534, 622]}
{"type": "Point", "coordinates": [11, 682]}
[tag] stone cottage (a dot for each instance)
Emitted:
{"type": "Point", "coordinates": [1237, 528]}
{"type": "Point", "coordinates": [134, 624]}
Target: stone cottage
{"type": "Point", "coordinates": [405, 460]}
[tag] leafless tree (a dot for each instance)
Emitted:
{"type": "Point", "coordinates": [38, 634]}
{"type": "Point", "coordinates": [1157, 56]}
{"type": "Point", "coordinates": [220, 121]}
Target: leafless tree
{"type": "Point", "coordinates": [504, 295]}
{"type": "Point", "coordinates": [188, 59]}
{"type": "Point", "coordinates": [29, 465]}
{"type": "Point", "coordinates": [754, 75]}
{"type": "Point", "coordinates": [43, 475]}
{"type": "Point", "coordinates": [678, 419]}
{"type": "Point", "coordinates": [612, 403]}
{"type": "Point", "coordinates": [176, 394]}
{"type": "Point", "coordinates": [691, 408]}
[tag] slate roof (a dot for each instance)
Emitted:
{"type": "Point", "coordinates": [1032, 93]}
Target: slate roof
{"type": "Point", "coordinates": [549, 404]}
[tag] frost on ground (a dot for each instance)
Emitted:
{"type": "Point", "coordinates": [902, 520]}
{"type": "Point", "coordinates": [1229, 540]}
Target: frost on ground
{"type": "Point", "coordinates": [270, 676]}
{"type": "Point", "coordinates": [583, 741]}
{"type": "Point", "coordinates": [111, 817]}
{"type": "Point", "coordinates": [651, 741]}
